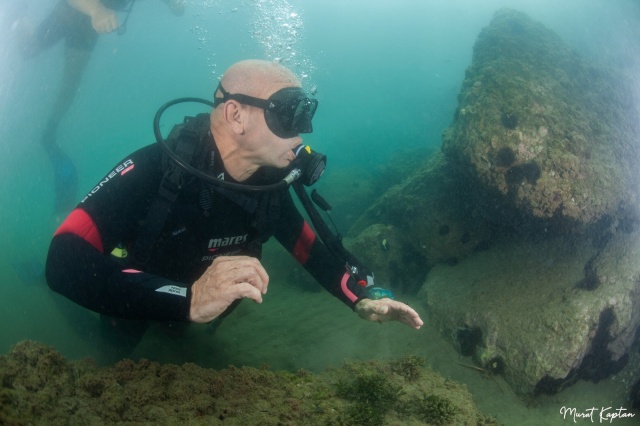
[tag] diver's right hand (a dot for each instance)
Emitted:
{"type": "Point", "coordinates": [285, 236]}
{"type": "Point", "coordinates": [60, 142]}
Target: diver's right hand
{"type": "Point", "coordinates": [227, 279]}
{"type": "Point", "coordinates": [103, 20]}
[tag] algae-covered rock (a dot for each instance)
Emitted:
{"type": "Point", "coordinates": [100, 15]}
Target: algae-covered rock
{"type": "Point", "coordinates": [543, 313]}
{"type": "Point", "coordinates": [38, 386]}
{"type": "Point", "coordinates": [427, 219]}
{"type": "Point", "coordinates": [543, 144]}
{"type": "Point", "coordinates": [554, 135]}
{"type": "Point", "coordinates": [632, 376]}
{"type": "Point", "coordinates": [389, 252]}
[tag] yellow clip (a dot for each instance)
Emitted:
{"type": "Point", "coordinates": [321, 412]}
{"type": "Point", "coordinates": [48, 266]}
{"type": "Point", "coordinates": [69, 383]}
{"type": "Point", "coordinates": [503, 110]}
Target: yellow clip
{"type": "Point", "coordinates": [120, 252]}
{"type": "Point", "coordinates": [308, 149]}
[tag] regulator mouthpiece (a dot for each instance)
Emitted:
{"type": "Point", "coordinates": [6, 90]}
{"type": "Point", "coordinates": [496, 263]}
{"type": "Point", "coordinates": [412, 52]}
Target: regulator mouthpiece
{"type": "Point", "coordinates": [311, 163]}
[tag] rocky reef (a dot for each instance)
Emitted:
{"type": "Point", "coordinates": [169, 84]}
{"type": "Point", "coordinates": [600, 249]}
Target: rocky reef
{"type": "Point", "coordinates": [39, 386]}
{"type": "Point", "coordinates": [521, 235]}
{"type": "Point", "coordinates": [543, 128]}
{"type": "Point", "coordinates": [423, 221]}
{"type": "Point", "coordinates": [538, 315]}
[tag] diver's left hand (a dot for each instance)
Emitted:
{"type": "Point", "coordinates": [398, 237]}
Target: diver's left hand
{"type": "Point", "coordinates": [382, 310]}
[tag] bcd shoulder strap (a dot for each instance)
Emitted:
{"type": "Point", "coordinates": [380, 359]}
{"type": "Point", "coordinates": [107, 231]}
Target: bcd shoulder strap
{"type": "Point", "coordinates": [189, 141]}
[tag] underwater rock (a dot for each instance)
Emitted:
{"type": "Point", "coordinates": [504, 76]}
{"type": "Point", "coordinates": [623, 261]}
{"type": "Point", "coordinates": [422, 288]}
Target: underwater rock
{"type": "Point", "coordinates": [38, 386]}
{"type": "Point", "coordinates": [553, 135]}
{"type": "Point", "coordinates": [634, 396]}
{"type": "Point", "coordinates": [533, 318]}
{"type": "Point", "coordinates": [631, 375]}
{"type": "Point", "coordinates": [426, 219]}
{"type": "Point", "coordinates": [543, 144]}
{"type": "Point", "coordinates": [386, 249]}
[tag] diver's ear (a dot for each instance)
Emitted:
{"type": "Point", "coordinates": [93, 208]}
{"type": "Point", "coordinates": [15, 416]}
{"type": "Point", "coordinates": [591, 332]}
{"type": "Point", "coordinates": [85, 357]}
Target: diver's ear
{"type": "Point", "coordinates": [235, 116]}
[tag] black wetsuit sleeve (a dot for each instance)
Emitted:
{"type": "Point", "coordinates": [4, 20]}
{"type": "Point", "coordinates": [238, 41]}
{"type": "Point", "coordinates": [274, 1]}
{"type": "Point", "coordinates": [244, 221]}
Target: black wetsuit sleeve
{"type": "Point", "coordinates": [79, 265]}
{"type": "Point", "coordinates": [301, 241]}
{"type": "Point", "coordinates": [78, 271]}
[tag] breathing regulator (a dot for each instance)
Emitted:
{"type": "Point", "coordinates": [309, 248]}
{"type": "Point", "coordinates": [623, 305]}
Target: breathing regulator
{"type": "Point", "coordinates": [305, 170]}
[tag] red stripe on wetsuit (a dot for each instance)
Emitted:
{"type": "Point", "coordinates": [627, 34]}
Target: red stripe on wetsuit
{"type": "Point", "coordinates": [81, 224]}
{"type": "Point", "coordinates": [304, 243]}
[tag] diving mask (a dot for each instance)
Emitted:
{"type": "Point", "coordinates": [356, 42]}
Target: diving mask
{"type": "Point", "coordinates": [287, 112]}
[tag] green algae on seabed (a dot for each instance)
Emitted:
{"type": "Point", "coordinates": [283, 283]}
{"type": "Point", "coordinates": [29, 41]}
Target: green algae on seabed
{"type": "Point", "coordinates": [39, 386]}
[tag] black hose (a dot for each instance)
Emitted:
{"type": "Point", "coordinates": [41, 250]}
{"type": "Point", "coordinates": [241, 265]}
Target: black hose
{"type": "Point", "coordinates": [330, 240]}
{"type": "Point", "coordinates": [198, 173]}
{"type": "Point", "coordinates": [123, 27]}
{"type": "Point", "coordinates": [333, 243]}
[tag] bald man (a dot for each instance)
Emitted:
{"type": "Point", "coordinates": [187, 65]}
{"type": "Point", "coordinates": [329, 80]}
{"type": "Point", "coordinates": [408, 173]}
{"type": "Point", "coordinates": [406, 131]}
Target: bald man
{"type": "Point", "coordinates": [205, 255]}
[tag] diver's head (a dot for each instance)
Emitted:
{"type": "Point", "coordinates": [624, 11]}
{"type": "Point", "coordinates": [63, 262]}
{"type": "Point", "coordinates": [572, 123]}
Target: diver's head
{"type": "Point", "coordinates": [274, 89]}
{"type": "Point", "coordinates": [261, 105]}
{"type": "Point", "coordinates": [287, 112]}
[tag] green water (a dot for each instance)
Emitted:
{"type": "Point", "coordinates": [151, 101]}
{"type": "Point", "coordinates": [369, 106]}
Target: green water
{"type": "Point", "coordinates": [387, 75]}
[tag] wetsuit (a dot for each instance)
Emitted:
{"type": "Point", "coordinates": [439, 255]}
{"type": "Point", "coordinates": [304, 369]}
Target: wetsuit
{"type": "Point", "coordinates": [67, 23]}
{"type": "Point", "coordinates": [204, 223]}
{"type": "Point", "coordinates": [75, 28]}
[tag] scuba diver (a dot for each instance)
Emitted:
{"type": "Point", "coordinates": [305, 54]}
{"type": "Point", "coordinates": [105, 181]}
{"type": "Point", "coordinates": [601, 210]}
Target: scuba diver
{"type": "Point", "coordinates": [174, 231]}
{"type": "Point", "coordinates": [78, 23]}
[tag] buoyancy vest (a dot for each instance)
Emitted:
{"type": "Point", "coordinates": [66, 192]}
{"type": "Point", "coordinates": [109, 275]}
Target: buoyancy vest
{"type": "Point", "coordinates": [191, 141]}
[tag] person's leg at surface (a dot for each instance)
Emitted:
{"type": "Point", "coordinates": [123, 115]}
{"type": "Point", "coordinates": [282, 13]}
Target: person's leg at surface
{"type": "Point", "coordinates": [65, 179]}
{"type": "Point", "coordinates": [33, 40]}
{"type": "Point", "coordinates": [64, 171]}
{"type": "Point", "coordinates": [75, 62]}
{"type": "Point", "coordinates": [80, 40]}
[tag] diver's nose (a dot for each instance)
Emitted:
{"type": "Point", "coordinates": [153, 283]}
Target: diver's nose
{"type": "Point", "coordinates": [296, 141]}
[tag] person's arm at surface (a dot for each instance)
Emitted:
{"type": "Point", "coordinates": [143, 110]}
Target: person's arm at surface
{"type": "Point", "coordinates": [103, 19]}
